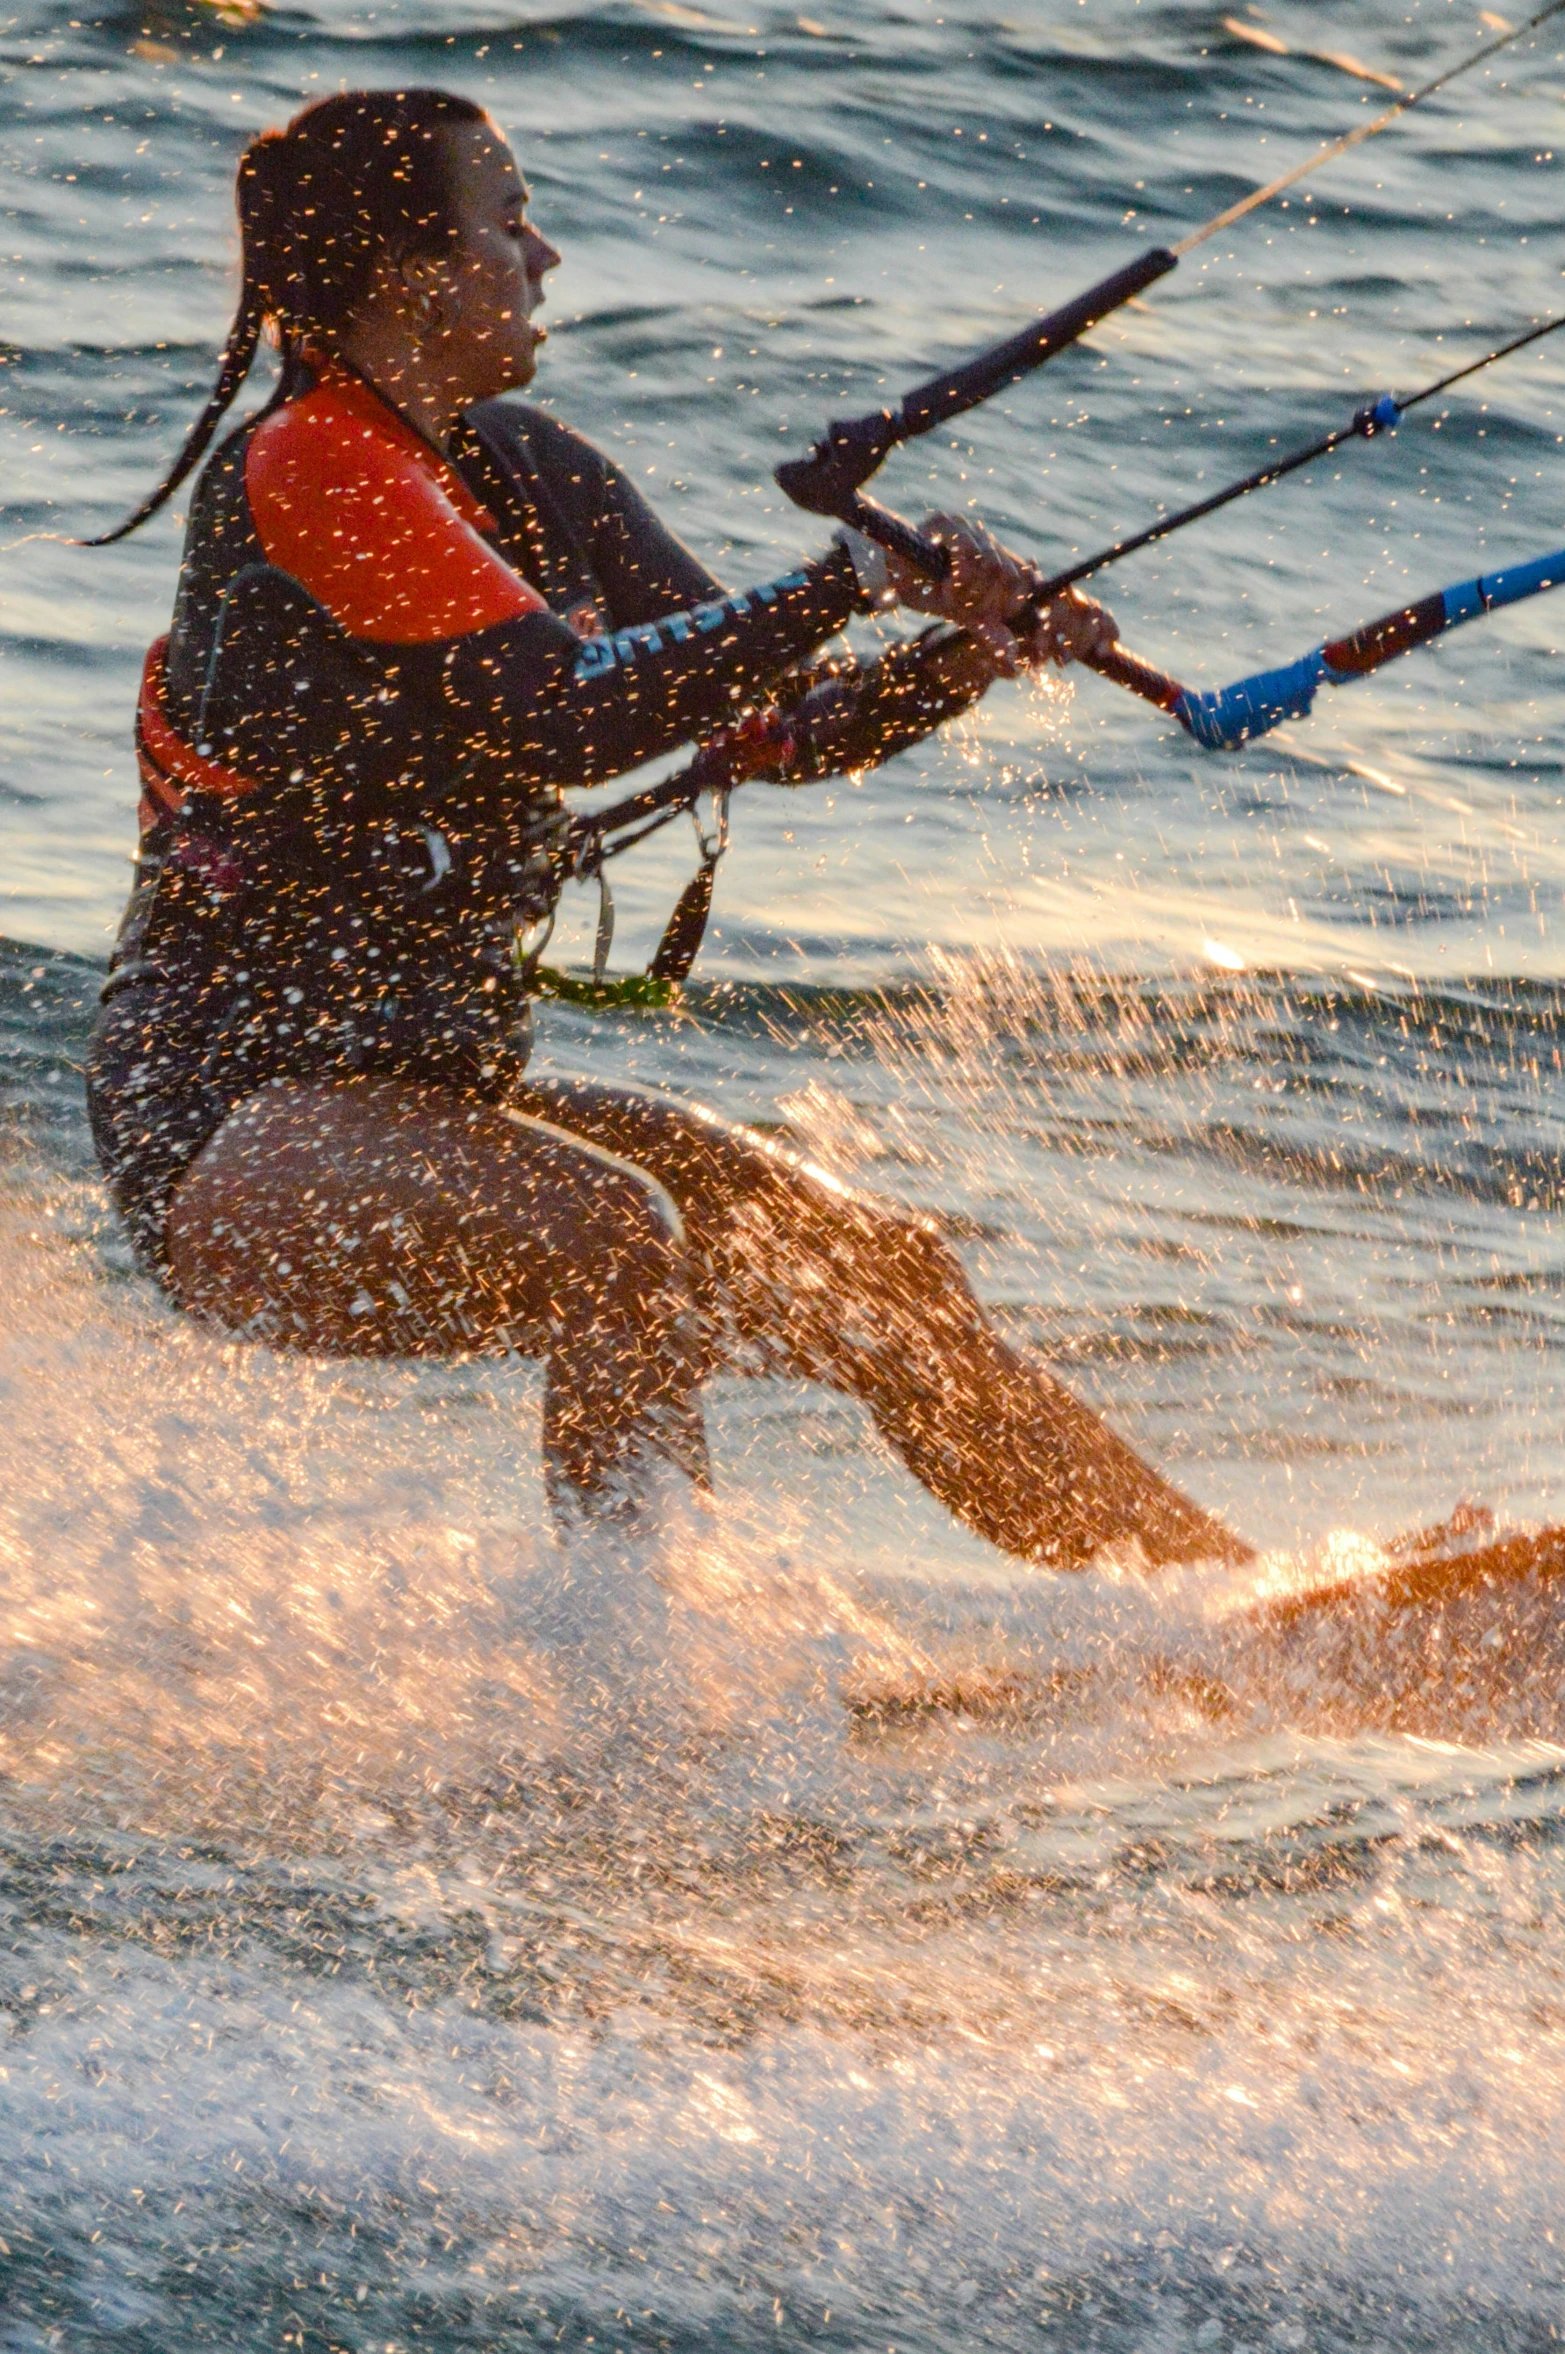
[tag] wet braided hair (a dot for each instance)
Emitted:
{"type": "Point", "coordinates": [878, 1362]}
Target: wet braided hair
{"type": "Point", "coordinates": [353, 179]}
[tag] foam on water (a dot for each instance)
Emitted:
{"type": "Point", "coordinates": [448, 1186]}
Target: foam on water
{"type": "Point", "coordinates": [590, 1941]}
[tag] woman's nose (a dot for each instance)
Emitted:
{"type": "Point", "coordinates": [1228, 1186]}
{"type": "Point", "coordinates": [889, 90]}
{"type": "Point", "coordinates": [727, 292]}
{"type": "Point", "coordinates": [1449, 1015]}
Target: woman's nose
{"type": "Point", "coordinates": [541, 255]}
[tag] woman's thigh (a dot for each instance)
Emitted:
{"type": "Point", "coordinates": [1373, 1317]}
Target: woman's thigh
{"type": "Point", "coordinates": [375, 1217]}
{"type": "Point", "coordinates": [785, 1258]}
{"type": "Point", "coordinates": [712, 1167]}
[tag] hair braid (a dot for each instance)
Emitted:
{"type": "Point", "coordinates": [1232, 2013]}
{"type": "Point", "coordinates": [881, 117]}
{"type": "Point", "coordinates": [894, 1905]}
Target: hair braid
{"type": "Point", "coordinates": [354, 179]}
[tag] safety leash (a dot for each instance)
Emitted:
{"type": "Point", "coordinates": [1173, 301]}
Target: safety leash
{"type": "Point", "coordinates": [787, 742]}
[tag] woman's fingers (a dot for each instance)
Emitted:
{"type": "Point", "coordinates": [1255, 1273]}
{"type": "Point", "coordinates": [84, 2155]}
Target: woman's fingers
{"type": "Point", "coordinates": [1072, 628]}
{"type": "Point", "coordinates": [1005, 652]}
{"type": "Point", "coordinates": [983, 581]}
{"type": "Point", "coordinates": [986, 582]}
{"type": "Point", "coordinates": [984, 588]}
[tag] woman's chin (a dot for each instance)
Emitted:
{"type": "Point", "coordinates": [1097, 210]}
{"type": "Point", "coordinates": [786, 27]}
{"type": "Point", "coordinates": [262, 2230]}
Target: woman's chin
{"type": "Point", "coordinates": [518, 372]}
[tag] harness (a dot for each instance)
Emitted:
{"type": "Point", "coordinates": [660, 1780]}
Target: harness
{"type": "Point", "coordinates": [840, 718]}
{"type": "Point", "coordinates": [170, 769]}
{"type": "Point", "coordinates": [314, 923]}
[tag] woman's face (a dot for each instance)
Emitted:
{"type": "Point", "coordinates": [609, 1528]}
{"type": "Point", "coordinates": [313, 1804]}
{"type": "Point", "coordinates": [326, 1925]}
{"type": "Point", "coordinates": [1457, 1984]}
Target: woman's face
{"type": "Point", "coordinates": [476, 302]}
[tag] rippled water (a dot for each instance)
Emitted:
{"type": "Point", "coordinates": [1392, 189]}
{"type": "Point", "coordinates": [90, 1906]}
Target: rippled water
{"type": "Point", "coordinates": [415, 1936]}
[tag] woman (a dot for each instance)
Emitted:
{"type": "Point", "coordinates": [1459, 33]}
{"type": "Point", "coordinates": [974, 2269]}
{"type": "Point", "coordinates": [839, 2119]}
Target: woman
{"type": "Point", "coordinates": [407, 617]}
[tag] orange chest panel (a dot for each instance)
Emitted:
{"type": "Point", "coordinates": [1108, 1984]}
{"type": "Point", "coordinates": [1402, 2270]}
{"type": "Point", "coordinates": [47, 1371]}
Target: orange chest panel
{"type": "Point", "coordinates": [374, 524]}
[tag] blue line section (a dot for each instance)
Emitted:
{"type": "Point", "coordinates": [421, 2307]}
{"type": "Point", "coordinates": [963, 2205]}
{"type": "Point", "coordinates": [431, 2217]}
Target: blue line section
{"type": "Point", "coordinates": [1493, 589]}
{"type": "Point", "coordinates": [1465, 602]}
{"type": "Point", "coordinates": [1230, 716]}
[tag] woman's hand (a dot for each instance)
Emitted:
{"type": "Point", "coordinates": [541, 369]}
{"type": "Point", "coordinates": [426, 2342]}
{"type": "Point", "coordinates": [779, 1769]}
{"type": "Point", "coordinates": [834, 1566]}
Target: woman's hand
{"type": "Point", "coordinates": [1071, 628]}
{"type": "Point", "coordinates": [983, 583]}
{"type": "Point", "coordinates": [984, 588]}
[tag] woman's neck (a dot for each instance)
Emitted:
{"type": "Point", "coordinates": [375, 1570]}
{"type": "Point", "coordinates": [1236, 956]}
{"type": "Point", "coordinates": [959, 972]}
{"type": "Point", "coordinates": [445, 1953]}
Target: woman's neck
{"type": "Point", "coordinates": [396, 367]}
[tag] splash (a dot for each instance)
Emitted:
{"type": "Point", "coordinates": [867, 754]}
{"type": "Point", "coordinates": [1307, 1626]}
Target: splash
{"type": "Point", "coordinates": [796, 1925]}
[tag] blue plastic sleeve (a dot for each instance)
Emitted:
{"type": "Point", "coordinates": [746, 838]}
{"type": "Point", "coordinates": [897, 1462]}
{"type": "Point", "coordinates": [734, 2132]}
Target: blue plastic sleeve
{"type": "Point", "coordinates": [1230, 717]}
{"type": "Point", "coordinates": [1508, 587]}
{"type": "Point", "coordinates": [1464, 602]}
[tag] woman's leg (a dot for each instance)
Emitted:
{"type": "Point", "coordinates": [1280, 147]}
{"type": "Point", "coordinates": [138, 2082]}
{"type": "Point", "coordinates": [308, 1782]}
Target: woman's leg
{"type": "Point", "coordinates": [375, 1218]}
{"type": "Point", "coordinates": [844, 1288]}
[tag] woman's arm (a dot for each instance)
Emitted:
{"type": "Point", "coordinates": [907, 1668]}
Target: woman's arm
{"type": "Point", "coordinates": [566, 711]}
{"type": "Point", "coordinates": [387, 537]}
{"type": "Point", "coordinates": [421, 582]}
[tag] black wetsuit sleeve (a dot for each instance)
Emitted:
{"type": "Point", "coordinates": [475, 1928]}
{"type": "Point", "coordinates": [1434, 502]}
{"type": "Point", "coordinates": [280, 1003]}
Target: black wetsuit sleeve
{"type": "Point", "coordinates": [562, 710]}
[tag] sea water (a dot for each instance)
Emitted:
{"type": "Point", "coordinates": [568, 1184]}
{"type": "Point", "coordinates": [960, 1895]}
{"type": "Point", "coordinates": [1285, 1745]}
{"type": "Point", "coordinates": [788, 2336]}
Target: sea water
{"type": "Point", "coordinates": [420, 1934]}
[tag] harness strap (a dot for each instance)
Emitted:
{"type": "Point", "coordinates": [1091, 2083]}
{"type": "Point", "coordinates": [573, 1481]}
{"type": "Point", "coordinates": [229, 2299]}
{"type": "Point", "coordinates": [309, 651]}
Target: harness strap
{"type": "Point", "coordinates": [686, 927]}
{"type": "Point", "coordinates": [171, 768]}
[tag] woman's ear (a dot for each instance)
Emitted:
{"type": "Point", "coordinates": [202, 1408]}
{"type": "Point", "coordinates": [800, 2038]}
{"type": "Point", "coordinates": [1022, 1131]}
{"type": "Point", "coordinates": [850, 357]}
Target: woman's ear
{"type": "Point", "coordinates": [422, 284]}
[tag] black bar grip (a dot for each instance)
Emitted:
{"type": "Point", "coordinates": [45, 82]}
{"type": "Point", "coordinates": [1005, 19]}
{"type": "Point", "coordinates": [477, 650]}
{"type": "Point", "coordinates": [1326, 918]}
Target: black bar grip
{"type": "Point", "coordinates": [960, 389]}
{"type": "Point", "coordinates": [853, 448]}
{"type": "Point", "coordinates": [845, 457]}
{"type": "Point", "coordinates": [889, 531]}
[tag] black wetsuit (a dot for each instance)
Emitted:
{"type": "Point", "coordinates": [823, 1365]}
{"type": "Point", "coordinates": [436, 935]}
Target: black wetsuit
{"type": "Point", "coordinates": [381, 670]}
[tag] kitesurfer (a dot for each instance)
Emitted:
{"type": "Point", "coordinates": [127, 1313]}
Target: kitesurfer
{"type": "Point", "coordinates": [409, 614]}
